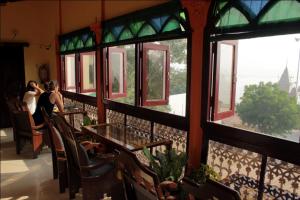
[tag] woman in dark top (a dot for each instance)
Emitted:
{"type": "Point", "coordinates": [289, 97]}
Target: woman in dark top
{"type": "Point", "coordinates": [47, 100]}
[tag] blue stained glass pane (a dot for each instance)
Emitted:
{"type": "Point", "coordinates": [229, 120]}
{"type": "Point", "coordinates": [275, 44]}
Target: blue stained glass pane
{"type": "Point", "coordinates": [84, 37]}
{"type": "Point", "coordinates": [254, 6]}
{"type": "Point", "coordinates": [158, 22]}
{"type": "Point", "coordinates": [117, 29]}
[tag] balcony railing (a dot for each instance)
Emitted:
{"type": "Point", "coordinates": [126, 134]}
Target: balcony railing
{"type": "Point", "coordinates": [241, 170]}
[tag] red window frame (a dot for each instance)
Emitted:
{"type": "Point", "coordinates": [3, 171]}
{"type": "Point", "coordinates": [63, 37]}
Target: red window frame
{"type": "Point", "coordinates": [165, 100]}
{"type": "Point", "coordinates": [221, 115]}
{"type": "Point", "coordinates": [82, 90]}
{"type": "Point", "coordinates": [66, 72]}
{"type": "Point", "coordinates": [112, 95]}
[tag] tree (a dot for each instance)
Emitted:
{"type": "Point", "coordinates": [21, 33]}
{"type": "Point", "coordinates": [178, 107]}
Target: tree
{"type": "Point", "coordinates": [266, 108]}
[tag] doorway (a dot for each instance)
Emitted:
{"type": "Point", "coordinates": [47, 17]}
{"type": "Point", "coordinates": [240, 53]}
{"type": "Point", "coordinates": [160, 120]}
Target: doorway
{"type": "Point", "coordinates": [12, 77]}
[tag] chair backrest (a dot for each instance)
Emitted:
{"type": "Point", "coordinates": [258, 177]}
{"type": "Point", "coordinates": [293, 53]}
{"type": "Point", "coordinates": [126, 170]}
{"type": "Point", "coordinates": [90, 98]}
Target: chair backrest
{"type": "Point", "coordinates": [55, 137]}
{"type": "Point", "coordinates": [143, 182]}
{"type": "Point", "coordinates": [22, 123]}
{"type": "Point", "coordinates": [210, 190]}
{"type": "Point", "coordinates": [75, 151]}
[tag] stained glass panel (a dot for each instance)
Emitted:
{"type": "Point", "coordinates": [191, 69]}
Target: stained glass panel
{"type": "Point", "coordinates": [254, 6]}
{"type": "Point", "coordinates": [171, 26]}
{"type": "Point", "coordinates": [232, 17]}
{"type": "Point", "coordinates": [126, 34]}
{"type": "Point", "coordinates": [282, 11]}
{"type": "Point", "coordinates": [135, 26]}
{"type": "Point", "coordinates": [147, 30]}
{"type": "Point", "coordinates": [153, 23]}
{"type": "Point", "coordinates": [79, 44]}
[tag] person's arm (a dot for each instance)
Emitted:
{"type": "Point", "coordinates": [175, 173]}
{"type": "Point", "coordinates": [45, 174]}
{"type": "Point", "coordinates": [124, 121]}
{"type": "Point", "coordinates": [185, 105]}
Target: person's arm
{"type": "Point", "coordinates": [59, 102]}
{"type": "Point", "coordinates": [39, 90]}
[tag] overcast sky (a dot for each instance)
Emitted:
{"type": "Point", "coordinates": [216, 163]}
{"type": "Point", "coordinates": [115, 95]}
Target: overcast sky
{"type": "Point", "coordinates": [264, 59]}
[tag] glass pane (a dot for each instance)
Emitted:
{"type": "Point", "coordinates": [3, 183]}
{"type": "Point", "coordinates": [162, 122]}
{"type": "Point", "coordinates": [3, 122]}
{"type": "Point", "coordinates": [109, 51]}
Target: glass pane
{"type": "Point", "coordinates": [147, 30]}
{"type": "Point", "coordinates": [225, 77]}
{"type": "Point", "coordinates": [117, 66]}
{"type": "Point", "coordinates": [117, 81]}
{"type": "Point", "coordinates": [89, 42]}
{"type": "Point", "coordinates": [254, 6]}
{"type": "Point", "coordinates": [70, 46]}
{"type": "Point", "coordinates": [282, 11]}
{"type": "Point", "coordinates": [126, 34]}
{"type": "Point", "coordinates": [88, 74]}
{"type": "Point", "coordinates": [156, 74]}
{"type": "Point", "coordinates": [177, 76]}
{"type": "Point", "coordinates": [109, 38]}
{"type": "Point", "coordinates": [79, 44]}
{"type": "Point", "coordinates": [231, 18]}
{"type": "Point", "coordinates": [70, 72]}
{"type": "Point", "coordinates": [172, 25]}
{"type": "Point", "coordinates": [135, 26]}
{"type": "Point", "coordinates": [267, 99]}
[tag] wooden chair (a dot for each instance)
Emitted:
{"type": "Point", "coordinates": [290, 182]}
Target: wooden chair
{"type": "Point", "coordinates": [140, 182]}
{"type": "Point", "coordinates": [96, 177]}
{"type": "Point", "coordinates": [25, 129]}
{"type": "Point", "coordinates": [210, 190]}
{"type": "Point", "coordinates": [59, 159]}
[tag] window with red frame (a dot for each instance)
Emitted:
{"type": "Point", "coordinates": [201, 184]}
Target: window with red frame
{"type": "Point", "coordinates": [117, 66]}
{"type": "Point", "coordinates": [87, 72]}
{"type": "Point", "coordinates": [226, 62]}
{"type": "Point", "coordinates": [156, 65]}
{"type": "Point", "coordinates": [70, 72]}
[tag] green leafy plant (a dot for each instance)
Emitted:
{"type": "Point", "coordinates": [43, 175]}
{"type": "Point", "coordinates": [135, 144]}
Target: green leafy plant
{"type": "Point", "coordinates": [168, 165]}
{"type": "Point", "coordinates": [88, 121]}
{"type": "Point", "coordinates": [203, 173]}
{"type": "Point", "coordinates": [268, 109]}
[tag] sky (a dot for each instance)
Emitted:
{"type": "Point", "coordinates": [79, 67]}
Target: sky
{"type": "Point", "coordinates": [265, 58]}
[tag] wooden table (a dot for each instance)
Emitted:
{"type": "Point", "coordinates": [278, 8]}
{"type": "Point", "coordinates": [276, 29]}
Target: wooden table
{"type": "Point", "coordinates": [121, 136]}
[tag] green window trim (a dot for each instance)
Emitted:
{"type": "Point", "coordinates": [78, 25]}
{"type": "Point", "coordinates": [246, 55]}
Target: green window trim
{"type": "Point", "coordinates": [166, 19]}
{"type": "Point", "coordinates": [238, 15]}
{"type": "Point", "coordinates": [83, 39]}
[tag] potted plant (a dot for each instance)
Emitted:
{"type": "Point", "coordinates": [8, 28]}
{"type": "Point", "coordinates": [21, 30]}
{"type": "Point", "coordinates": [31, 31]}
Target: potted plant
{"type": "Point", "coordinates": [203, 173]}
{"type": "Point", "coordinates": [169, 166]}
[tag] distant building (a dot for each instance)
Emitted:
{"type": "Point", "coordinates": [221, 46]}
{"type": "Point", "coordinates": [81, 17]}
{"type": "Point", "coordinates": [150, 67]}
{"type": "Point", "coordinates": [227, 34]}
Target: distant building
{"type": "Point", "coordinates": [284, 81]}
{"type": "Point", "coordinates": [284, 84]}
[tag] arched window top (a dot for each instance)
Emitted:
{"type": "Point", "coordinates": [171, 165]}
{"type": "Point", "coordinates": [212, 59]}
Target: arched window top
{"type": "Point", "coordinates": [163, 20]}
{"type": "Point", "coordinates": [243, 15]}
{"type": "Point", "coordinates": [83, 39]}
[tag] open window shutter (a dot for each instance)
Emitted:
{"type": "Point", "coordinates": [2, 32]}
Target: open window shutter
{"type": "Point", "coordinates": [117, 65]}
{"type": "Point", "coordinates": [226, 61]}
{"type": "Point", "coordinates": [155, 73]}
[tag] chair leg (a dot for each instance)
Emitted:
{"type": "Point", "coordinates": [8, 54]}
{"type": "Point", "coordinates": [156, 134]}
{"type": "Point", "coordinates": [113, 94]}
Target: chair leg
{"type": "Point", "coordinates": [18, 145]}
{"type": "Point", "coordinates": [54, 164]}
{"type": "Point", "coordinates": [62, 176]}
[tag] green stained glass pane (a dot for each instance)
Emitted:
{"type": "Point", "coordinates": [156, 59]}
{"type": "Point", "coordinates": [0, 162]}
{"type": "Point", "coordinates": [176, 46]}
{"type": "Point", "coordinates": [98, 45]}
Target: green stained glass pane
{"type": "Point", "coordinates": [75, 39]}
{"type": "Point", "coordinates": [171, 26]}
{"type": "Point", "coordinates": [136, 26]}
{"type": "Point", "coordinates": [126, 34]}
{"type": "Point", "coordinates": [63, 47]}
{"type": "Point", "coordinates": [147, 30]}
{"type": "Point", "coordinates": [182, 16]}
{"type": "Point", "coordinates": [79, 44]}
{"type": "Point", "coordinates": [109, 38]}
{"type": "Point", "coordinates": [89, 42]}
{"type": "Point", "coordinates": [232, 17]}
{"type": "Point", "coordinates": [282, 11]}
{"type": "Point", "coordinates": [70, 46]}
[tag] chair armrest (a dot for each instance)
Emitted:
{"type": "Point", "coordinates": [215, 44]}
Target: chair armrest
{"type": "Point", "coordinates": [43, 125]}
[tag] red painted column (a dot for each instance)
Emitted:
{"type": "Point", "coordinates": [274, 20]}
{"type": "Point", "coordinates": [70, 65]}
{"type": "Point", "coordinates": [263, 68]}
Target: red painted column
{"type": "Point", "coordinates": [101, 110]}
{"type": "Point", "coordinates": [197, 11]}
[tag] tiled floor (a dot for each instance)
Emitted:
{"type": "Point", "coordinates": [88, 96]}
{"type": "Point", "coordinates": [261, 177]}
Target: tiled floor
{"type": "Point", "coordinates": [25, 178]}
